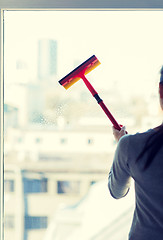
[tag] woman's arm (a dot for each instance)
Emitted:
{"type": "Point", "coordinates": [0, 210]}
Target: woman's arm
{"type": "Point", "coordinates": [119, 177]}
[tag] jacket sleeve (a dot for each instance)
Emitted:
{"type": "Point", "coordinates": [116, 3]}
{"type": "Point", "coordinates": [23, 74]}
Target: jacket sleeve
{"type": "Point", "coordinates": [119, 177]}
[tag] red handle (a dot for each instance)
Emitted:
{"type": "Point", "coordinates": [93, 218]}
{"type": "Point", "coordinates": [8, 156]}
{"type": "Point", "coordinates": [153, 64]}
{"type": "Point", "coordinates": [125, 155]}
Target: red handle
{"type": "Point", "coordinates": [110, 116]}
{"type": "Point", "coordinates": [100, 102]}
{"type": "Point", "coordinates": [89, 86]}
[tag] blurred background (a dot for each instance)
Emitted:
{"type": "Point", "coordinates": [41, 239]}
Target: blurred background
{"type": "Point", "coordinates": [58, 144]}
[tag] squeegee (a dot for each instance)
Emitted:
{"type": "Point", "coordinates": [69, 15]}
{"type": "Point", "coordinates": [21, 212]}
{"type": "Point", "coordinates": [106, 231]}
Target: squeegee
{"type": "Point", "coordinates": [79, 73]}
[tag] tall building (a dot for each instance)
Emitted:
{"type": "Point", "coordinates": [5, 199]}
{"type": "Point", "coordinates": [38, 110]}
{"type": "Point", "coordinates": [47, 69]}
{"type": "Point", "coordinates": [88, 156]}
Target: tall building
{"type": "Point", "coordinates": [47, 58]}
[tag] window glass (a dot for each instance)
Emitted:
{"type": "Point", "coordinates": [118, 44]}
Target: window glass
{"type": "Point", "coordinates": [90, 141]}
{"type": "Point", "coordinates": [8, 185]}
{"type": "Point", "coordinates": [35, 185]}
{"type": "Point", "coordinates": [35, 222]}
{"type": "Point", "coordinates": [68, 187]}
{"type": "Point", "coordinates": [58, 143]}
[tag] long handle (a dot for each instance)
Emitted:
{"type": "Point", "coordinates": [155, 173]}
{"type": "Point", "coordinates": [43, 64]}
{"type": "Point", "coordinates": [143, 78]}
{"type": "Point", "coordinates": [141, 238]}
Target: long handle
{"type": "Point", "coordinates": [100, 102]}
{"type": "Point", "coordinates": [110, 116]}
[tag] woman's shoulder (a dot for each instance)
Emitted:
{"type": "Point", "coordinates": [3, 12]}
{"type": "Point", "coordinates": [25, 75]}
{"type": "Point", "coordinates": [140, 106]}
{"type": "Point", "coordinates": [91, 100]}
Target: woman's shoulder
{"type": "Point", "coordinates": [137, 137]}
{"type": "Point", "coordinates": [143, 134]}
{"type": "Point", "coordinates": [147, 133]}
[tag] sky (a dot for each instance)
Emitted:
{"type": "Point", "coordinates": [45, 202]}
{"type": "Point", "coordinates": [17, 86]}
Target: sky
{"type": "Point", "coordinates": [127, 43]}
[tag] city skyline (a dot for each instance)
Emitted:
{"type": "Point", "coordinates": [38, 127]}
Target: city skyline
{"type": "Point", "coordinates": [128, 46]}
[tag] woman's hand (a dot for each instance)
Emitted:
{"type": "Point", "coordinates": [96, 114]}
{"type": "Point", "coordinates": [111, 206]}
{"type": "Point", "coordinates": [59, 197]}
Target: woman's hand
{"type": "Point", "coordinates": [118, 134]}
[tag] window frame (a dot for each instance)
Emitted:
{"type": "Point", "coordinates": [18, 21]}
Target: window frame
{"type": "Point", "coordinates": [19, 5]}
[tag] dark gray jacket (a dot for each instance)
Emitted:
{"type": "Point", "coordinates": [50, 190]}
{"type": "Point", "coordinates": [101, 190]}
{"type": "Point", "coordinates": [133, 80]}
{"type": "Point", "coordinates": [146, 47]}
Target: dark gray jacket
{"type": "Point", "coordinates": [148, 215]}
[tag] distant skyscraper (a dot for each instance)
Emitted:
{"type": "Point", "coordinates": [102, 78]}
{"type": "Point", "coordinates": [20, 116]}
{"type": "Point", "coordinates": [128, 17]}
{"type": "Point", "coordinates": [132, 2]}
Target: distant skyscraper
{"type": "Point", "coordinates": [47, 58]}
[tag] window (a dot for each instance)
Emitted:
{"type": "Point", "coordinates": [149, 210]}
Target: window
{"type": "Point", "coordinates": [33, 222]}
{"type": "Point", "coordinates": [90, 141]}
{"type": "Point", "coordinates": [42, 50]}
{"type": "Point", "coordinates": [38, 140]}
{"type": "Point", "coordinates": [9, 185]}
{"type": "Point", "coordinates": [68, 187]}
{"type": "Point", "coordinates": [92, 182]}
{"type": "Point", "coordinates": [35, 185]}
{"type": "Point", "coordinates": [63, 141]}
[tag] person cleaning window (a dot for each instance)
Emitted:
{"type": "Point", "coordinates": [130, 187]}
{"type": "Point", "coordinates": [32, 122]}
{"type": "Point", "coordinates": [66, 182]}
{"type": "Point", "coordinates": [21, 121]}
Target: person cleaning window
{"type": "Point", "coordinates": [140, 156]}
